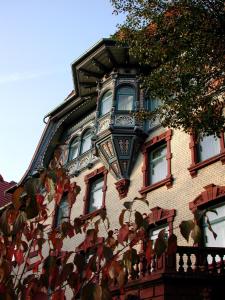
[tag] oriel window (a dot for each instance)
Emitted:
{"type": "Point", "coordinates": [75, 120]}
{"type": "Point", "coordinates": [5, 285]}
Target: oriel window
{"type": "Point", "coordinates": [125, 98]}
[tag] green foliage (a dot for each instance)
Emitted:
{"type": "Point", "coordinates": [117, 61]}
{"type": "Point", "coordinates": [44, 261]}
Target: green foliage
{"type": "Point", "coordinates": [180, 46]}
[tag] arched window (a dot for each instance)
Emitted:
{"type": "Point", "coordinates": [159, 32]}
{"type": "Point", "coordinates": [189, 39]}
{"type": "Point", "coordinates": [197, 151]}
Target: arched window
{"type": "Point", "coordinates": [86, 141]}
{"type": "Point", "coordinates": [73, 149]}
{"type": "Point", "coordinates": [125, 98]}
{"type": "Point", "coordinates": [106, 103]}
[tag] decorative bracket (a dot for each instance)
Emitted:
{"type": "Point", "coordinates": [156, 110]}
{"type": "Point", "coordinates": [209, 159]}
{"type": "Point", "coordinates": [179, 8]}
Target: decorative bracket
{"type": "Point", "coordinates": [122, 187]}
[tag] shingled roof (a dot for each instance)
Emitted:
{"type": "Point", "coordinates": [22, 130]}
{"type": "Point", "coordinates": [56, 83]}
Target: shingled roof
{"type": "Point", "coordinates": [4, 185]}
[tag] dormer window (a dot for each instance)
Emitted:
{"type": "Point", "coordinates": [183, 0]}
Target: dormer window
{"type": "Point", "coordinates": [73, 149]}
{"type": "Point", "coordinates": [125, 98]}
{"type": "Point", "coordinates": [86, 141]}
{"type": "Point", "coordinates": [106, 103]}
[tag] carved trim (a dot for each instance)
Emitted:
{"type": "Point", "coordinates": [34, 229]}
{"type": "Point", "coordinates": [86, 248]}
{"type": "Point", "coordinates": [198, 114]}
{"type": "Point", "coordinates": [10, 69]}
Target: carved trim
{"type": "Point", "coordinates": [160, 215]}
{"type": "Point", "coordinates": [212, 194]}
{"type": "Point", "coordinates": [164, 137]}
{"type": "Point", "coordinates": [88, 179]}
{"type": "Point", "coordinates": [122, 187]}
{"type": "Point", "coordinates": [195, 165]}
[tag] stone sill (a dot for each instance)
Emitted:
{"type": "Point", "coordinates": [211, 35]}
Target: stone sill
{"type": "Point", "coordinates": [167, 181]}
{"type": "Point", "coordinates": [195, 167]}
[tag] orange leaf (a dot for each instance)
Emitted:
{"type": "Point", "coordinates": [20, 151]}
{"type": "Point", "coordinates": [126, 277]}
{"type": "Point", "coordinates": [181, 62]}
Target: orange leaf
{"type": "Point", "coordinates": [123, 234]}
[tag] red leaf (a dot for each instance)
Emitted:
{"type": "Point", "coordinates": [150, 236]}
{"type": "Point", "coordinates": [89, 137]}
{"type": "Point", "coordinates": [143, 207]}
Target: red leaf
{"type": "Point", "coordinates": [58, 197]}
{"type": "Point", "coordinates": [59, 295]}
{"type": "Point", "coordinates": [19, 256]}
{"type": "Point", "coordinates": [36, 265]}
{"type": "Point", "coordinates": [100, 251]}
{"type": "Point", "coordinates": [40, 199]}
{"type": "Point", "coordinates": [123, 234]}
{"type": "Point", "coordinates": [71, 198]}
{"type": "Point", "coordinates": [40, 296]}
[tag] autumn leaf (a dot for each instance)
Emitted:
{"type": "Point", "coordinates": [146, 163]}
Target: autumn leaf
{"type": "Point", "coordinates": [16, 197]}
{"type": "Point", "coordinates": [138, 219]}
{"type": "Point", "coordinates": [121, 278]}
{"type": "Point", "coordinates": [19, 256]}
{"type": "Point", "coordinates": [123, 234]}
{"type": "Point", "coordinates": [108, 253]}
{"type": "Point", "coordinates": [79, 261]}
{"type": "Point", "coordinates": [210, 227]}
{"type": "Point", "coordinates": [142, 199]}
{"type": "Point", "coordinates": [103, 214]}
{"type": "Point", "coordinates": [40, 296]}
{"type": "Point", "coordinates": [121, 217]}
{"type": "Point", "coordinates": [128, 204]}
{"type": "Point", "coordinates": [196, 234]}
{"type": "Point", "coordinates": [161, 243]}
{"type": "Point", "coordinates": [91, 291]}
{"type": "Point", "coordinates": [114, 269]}
{"type": "Point", "coordinates": [58, 295]}
{"type": "Point", "coordinates": [185, 228]}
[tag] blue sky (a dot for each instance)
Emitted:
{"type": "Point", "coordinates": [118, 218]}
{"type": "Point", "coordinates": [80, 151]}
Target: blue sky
{"type": "Point", "coordinates": [39, 41]}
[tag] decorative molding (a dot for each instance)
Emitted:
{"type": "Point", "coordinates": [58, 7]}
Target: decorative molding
{"type": "Point", "coordinates": [124, 120]}
{"type": "Point", "coordinates": [107, 149]}
{"type": "Point", "coordinates": [80, 163]}
{"type": "Point", "coordinates": [195, 165]}
{"type": "Point", "coordinates": [212, 194]}
{"type": "Point", "coordinates": [122, 187]}
{"type": "Point", "coordinates": [103, 123]}
{"type": "Point", "coordinates": [78, 126]}
{"type": "Point", "coordinates": [164, 137]}
{"type": "Point", "coordinates": [159, 215]}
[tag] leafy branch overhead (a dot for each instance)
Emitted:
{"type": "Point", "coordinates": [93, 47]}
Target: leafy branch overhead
{"type": "Point", "coordinates": [180, 46]}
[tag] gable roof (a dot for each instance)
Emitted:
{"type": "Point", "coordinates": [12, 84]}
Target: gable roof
{"type": "Point", "coordinates": [4, 185]}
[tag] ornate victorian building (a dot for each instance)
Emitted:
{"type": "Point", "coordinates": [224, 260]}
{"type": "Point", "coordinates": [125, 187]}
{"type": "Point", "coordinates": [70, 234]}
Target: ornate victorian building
{"type": "Point", "coordinates": [115, 157]}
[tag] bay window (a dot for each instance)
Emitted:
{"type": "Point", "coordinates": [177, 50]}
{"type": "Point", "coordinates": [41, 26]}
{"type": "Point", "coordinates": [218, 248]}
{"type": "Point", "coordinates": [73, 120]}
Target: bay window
{"type": "Point", "coordinates": [125, 98]}
{"type": "Point", "coordinates": [106, 103]}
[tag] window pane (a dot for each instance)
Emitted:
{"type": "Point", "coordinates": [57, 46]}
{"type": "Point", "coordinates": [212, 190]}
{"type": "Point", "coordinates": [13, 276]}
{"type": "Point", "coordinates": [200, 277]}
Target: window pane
{"type": "Point", "coordinates": [73, 151]}
{"type": "Point", "coordinates": [106, 103]}
{"type": "Point", "coordinates": [158, 164]}
{"type": "Point", "coordinates": [217, 222]}
{"type": "Point", "coordinates": [125, 98]}
{"type": "Point", "coordinates": [208, 146]}
{"type": "Point", "coordinates": [125, 102]}
{"type": "Point", "coordinates": [86, 142]}
{"type": "Point", "coordinates": [96, 193]}
{"type": "Point", "coordinates": [152, 104]}
{"type": "Point", "coordinates": [62, 212]}
{"type": "Point", "coordinates": [155, 232]}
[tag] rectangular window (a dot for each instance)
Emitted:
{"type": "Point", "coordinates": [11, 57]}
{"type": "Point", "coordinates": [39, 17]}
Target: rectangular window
{"type": "Point", "coordinates": [94, 198]}
{"type": "Point", "coordinates": [217, 222]}
{"type": "Point", "coordinates": [205, 151]}
{"type": "Point", "coordinates": [158, 164]}
{"type": "Point", "coordinates": [125, 102]}
{"type": "Point", "coordinates": [96, 195]}
{"type": "Point", "coordinates": [155, 232]}
{"type": "Point", "coordinates": [208, 146]}
{"type": "Point", "coordinates": [62, 212]}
